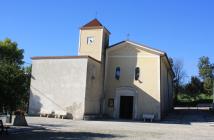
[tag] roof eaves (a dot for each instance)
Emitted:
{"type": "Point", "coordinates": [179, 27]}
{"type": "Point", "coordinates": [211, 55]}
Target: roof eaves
{"type": "Point", "coordinates": [63, 57]}
{"type": "Point", "coordinates": [146, 47]}
{"type": "Point", "coordinates": [96, 27]}
{"type": "Point", "coordinates": [170, 65]}
{"type": "Point", "coordinates": [117, 44]}
{"type": "Point", "coordinates": [140, 45]}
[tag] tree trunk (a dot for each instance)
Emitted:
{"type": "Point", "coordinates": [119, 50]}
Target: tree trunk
{"type": "Point", "coordinates": [176, 94]}
{"type": "Point", "coordinates": [213, 92]}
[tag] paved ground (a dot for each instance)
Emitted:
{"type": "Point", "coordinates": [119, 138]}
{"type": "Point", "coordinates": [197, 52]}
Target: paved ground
{"type": "Point", "coordinates": [182, 124]}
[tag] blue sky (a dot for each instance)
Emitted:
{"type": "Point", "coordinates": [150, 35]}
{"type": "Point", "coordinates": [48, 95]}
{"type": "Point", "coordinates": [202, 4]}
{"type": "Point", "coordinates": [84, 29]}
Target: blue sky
{"type": "Point", "coordinates": [182, 28]}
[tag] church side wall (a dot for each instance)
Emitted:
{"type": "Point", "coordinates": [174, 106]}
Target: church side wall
{"type": "Point", "coordinates": [93, 88]}
{"type": "Point", "coordinates": [166, 89]}
{"type": "Point", "coordinates": [58, 85]}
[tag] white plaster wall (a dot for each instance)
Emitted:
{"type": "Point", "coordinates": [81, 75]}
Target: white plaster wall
{"type": "Point", "coordinates": [58, 85]}
{"type": "Point", "coordinates": [93, 88]}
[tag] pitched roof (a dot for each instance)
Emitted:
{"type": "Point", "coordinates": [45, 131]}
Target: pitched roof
{"type": "Point", "coordinates": [93, 23]}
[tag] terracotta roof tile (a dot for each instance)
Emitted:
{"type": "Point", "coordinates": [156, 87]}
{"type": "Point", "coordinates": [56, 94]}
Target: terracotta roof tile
{"type": "Point", "coordinates": [93, 23]}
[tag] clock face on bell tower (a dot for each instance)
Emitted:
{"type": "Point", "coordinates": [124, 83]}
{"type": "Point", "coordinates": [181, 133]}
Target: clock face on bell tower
{"type": "Point", "coordinates": [90, 40]}
{"type": "Point", "coordinates": [93, 39]}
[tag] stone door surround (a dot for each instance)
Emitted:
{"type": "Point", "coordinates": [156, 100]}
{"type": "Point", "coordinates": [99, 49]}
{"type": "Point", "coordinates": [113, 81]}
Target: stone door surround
{"type": "Point", "coordinates": [125, 91]}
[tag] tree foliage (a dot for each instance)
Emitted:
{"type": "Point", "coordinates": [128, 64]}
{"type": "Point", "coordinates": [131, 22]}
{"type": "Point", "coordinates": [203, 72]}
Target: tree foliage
{"type": "Point", "coordinates": [206, 72]}
{"type": "Point", "coordinates": [10, 53]}
{"type": "Point", "coordinates": [201, 87]}
{"type": "Point", "coordinates": [194, 87]}
{"type": "Point", "coordinates": [12, 87]}
{"type": "Point", "coordinates": [13, 78]}
{"type": "Point", "coordinates": [208, 85]}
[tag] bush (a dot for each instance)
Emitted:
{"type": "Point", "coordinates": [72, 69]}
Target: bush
{"type": "Point", "coordinates": [188, 100]}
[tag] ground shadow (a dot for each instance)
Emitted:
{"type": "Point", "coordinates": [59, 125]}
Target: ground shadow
{"type": "Point", "coordinates": [42, 133]}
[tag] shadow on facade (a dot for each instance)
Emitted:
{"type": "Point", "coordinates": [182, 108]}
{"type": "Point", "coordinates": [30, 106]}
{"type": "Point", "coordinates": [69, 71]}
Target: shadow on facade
{"type": "Point", "coordinates": [35, 104]}
{"type": "Point", "coordinates": [148, 104]}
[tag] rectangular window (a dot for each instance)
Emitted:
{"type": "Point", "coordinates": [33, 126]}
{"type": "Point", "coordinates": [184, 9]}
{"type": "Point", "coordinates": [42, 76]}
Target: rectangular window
{"type": "Point", "coordinates": [117, 73]}
{"type": "Point", "coordinates": [137, 73]}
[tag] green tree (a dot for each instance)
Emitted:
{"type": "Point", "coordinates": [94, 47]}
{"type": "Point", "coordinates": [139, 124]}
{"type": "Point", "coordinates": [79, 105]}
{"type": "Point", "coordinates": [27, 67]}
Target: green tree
{"type": "Point", "coordinates": [206, 72]}
{"type": "Point", "coordinates": [208, 85]}
{"type": "Point", "coordinates": [195, 87]}
{"type": "Point", "coordinates": [13, 78]}
{"type": "Point", "coordinates": [13, 90]}
{"type": "Point", "coordinates": [10, 53]}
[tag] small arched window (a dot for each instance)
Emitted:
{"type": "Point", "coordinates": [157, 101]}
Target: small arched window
{"type": "Point", "coordinates": [137, 73]}
{"type": "Point", "coordinates": [117, 73]}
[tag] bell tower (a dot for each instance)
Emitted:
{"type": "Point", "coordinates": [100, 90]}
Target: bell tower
{"type": "Point", "coordinates": [93, 40]}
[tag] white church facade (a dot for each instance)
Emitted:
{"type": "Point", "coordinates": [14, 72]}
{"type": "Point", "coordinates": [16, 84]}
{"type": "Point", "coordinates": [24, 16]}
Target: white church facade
{"type": "Point", "coordinates": [121, 81]}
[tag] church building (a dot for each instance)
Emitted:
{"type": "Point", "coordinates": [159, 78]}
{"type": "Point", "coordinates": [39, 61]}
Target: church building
{"type": "Point", "coordinates": [121, 81]}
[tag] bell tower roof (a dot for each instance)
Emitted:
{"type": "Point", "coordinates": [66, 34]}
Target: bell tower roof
{"type": "Point", "coordinates": [94, 24]}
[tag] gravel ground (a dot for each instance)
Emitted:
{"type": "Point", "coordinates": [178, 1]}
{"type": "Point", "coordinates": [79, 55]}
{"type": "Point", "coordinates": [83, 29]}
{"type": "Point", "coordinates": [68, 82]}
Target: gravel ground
{"type": "Point", "coordinates": [176, 127]}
